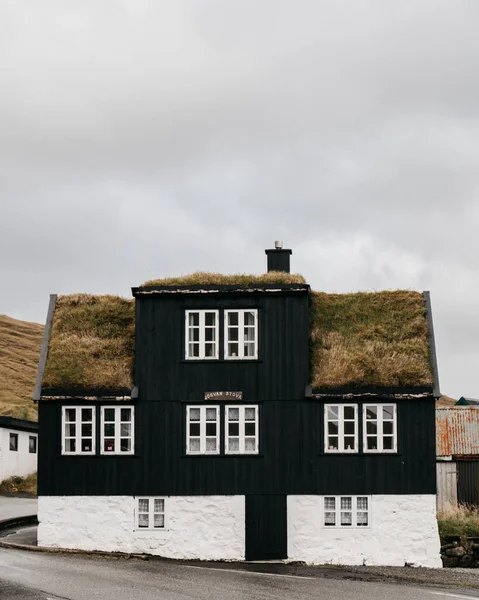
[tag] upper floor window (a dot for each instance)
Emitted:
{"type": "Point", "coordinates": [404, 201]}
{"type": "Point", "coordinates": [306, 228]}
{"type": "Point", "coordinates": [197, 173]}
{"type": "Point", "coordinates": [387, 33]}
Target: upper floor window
{"type": "Point", "coordinates": [202, 430]}
{"type": "Point", "coordinates": [380, 429]}
{"type": "Point", "coordinates": [346, 511]}
{"type": "Point", "coordinates": [14, 442]}
{"type": "Point", "coordinates": [78, 427]}
{"type": "Point", "coordinates": [117, 426]}
{"type": "Point", "coordinates": [201, 334]}
{"type": "Point", "coordinates": [241, 334]}
{"type": "Point", "coordinates": [341, 428]}
{"type": "Point", "coordinates": [241, 435]}
{"type": "Point", "coordinates": [32, 444]}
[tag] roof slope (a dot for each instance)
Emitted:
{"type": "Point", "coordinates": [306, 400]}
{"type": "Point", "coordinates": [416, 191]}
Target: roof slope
{"type": "Point", "coordinates": [91, 346]}
{"type": "Point", "coordinates": [362, 340]}
{"type": "Point", "coordinates": [369, 339]}
{"type": "Point", "coordinates": [457, 431]}
{"type": "Point", "coordinates": [20, 344]}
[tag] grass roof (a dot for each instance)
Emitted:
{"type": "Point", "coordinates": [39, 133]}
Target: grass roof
{"type": "Point", "coordinates": [20, 344]}
{"type": "Point", "coordinates": [92, 344]}
{"type": "Point", "coordinates": [240, 279]}
{"type": "Point", "coordinates": [369, 339]}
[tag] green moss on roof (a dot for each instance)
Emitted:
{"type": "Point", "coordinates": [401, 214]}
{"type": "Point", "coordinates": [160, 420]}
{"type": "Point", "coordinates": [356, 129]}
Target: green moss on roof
{"type": "Point", "coordinates": [239, 279]}
{"type": "Point", "coordinates": [92, 344]}
{"type": "Point", "coordinates": [375, 339]}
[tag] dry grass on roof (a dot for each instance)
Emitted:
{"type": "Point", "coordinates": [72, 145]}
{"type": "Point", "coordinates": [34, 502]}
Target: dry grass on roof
{"type": "Point", "coordinates": [92, 344]}
{"type": "Point", "coordinates": [240, 279]}
{"type": "Point", "coordinates": [369, 339]}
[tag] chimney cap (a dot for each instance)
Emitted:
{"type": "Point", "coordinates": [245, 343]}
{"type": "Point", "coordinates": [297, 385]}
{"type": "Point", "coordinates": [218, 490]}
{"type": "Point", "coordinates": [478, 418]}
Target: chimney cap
{"type": "Point", "coordinates": [278, 244]}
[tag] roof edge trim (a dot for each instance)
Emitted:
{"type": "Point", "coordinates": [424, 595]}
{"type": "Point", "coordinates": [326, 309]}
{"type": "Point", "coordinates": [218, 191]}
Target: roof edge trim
{"type": "Point", "coordinates": [432, 344]}
{"type": "Point", "coordinates": [37, 391]}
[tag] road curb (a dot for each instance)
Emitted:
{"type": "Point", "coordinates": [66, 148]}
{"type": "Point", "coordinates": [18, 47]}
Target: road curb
{"type": "Point", "coordinates": [18, 521]}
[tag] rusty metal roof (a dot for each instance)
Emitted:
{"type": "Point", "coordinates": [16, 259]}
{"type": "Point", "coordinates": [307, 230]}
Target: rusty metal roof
{"type": "Point", "coordinates": [457, 431]}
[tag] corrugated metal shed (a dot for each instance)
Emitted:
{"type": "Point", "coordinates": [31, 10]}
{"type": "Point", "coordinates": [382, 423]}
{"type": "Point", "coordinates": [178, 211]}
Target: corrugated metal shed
{"type": "Point", "coordinates": [457, 431]}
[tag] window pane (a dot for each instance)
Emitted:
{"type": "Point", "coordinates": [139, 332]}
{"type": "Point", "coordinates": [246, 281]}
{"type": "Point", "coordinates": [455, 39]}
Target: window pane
{"type": "Point", "coordinates": [109, 414]}
{"type": "Point", "coordinates": [210, 319]}
{"type": "Point", "coordinates": [86, 430]}
{"type": "Point", "coordinates": [349, 443]}
{"type": "Point", "coordinates": [125, 430]}
{"type": "Point", "coordinates": [70, 414]}
{"type": "Point", "coordinates": [249, 318]}
{"type": "Point", "coordinates": [86, 445]}
{"type": "Point", "coordinates": [194, 350]}
{"type": "Point", "coordinates": [372, 412]}
{"type": "Point", "coordinates": [125, 414]}
{"type": "Point", "coordinates": [330, 519]}
{"type": "Point", "coordinates": [142, 520]}
{"type": "Point", "coordinates": [371, 427]}
{"type": "Point", "coordinates": [362, 519]}
{"type": "Point", "coordinates": [349, 412]}
{"type": "Point", "coordinates": [194, 414]}
{"type": "Point", "coordinates": [233, 429]}
{"type": "Point", "coordinates": [346, 503]}
{"type": "Point", "coordinates": [388, 427]}
{"type": "Point", "coordinates": [250, 414]}
{"type": "Point", "coordinates": [332, 413]}
{"type": "Point", "coordinates": [330, 504]}
{"type": "Point", "coordinates": [211, 429]}
{"type": "Point", "coordinates": [233, 334]}
{"type": "Point", "coordinates": [109, 445]}
{"type": "Point", "coordinates": [249, 334]}
{"type": "Point", "coordinates": [232, 349]}
{"type": "Point", "coordinates": [159, 521]}
{"type": "Point", "coordinates": [248, 349]}
{"type": "Point", "coordinates": [195, 429]}
{"type": "Point", "coordinates": [211, 444]}
{"type": "Point", "coordinates": [250, 428]}
{"type": "Point", "coordinates": [210, 350]}
{"type": "Point", "coordinates": [349, 427]}
{"type": "Point", "coordinates": [194, 445]}
{"type": "Point", "coordinates": [87, 414]}
{"type": "Point", "coordinates": [372, 443]}
{"type": "Point", "coordinates": [70, 430]}
{"type": "Point", "coordinates": [125, 444]}
{"type": "Point", "coordinates": [362, 503]}
{"type": "Point", "coordinates": [210, 334]}
{"type": "Point", "coordinates": [233, 318]}
{"type": "Point", "coordinates": [233, 414]}
{"type": "Point", "coordinates": [332, 443]}
{"type": "Point", "coordinates": [388, 443]}
{"type": "Point", "coordinates": [333, 428]}
{"type": "Point", "coordinates": [250, 445]}
{"type": "Point", "coordinates": [346, 519]}
{"type": "Point", "coordinates": [194, 335]}
{"type": "Point", "coordinates": [159, 505]}
{"type": "Point", "coordinates": [70, 446]}
{"type": "Point", "coordinates": [194, 319]}
{"type": "Point", "coordinates": [388, 412]}
{"type": "Point", "coordinates": [233, 444]}
{"type": "Point", "coordinates": [109, 429]}
{"type": "Point", "coordinates": [211, 414]}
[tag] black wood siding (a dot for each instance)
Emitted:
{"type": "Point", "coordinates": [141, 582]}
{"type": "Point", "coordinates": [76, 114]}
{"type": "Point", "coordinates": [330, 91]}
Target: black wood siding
{"type": "Point", "coordinates": [468, 482]}
{"type": "Point", "coordinates": [291, 459]}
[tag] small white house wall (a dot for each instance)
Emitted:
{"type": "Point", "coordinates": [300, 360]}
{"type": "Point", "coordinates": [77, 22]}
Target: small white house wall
{"type": "Point", "coordinates": [202, 527]}
{"type": "Point", "coordinates": [403, 530]}
{"type": "Point", "coordinates": [20, 462]}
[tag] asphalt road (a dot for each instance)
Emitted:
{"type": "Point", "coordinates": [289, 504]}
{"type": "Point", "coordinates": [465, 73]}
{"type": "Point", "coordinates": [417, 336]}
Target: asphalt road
{"type": "Point", "coordinates": [38, 576]}
{"type": "Point", "coordinates": [11, 507]}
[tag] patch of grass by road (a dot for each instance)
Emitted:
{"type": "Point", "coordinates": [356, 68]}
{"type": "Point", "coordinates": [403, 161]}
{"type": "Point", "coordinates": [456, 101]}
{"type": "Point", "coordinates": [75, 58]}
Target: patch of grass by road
{"type": "Point", "coordinates": [462, 521]}
{"type": "Point", "coordinates": [20, 485]}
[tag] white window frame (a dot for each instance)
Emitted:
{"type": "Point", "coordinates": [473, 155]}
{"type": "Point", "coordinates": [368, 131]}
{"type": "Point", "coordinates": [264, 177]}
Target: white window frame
{"type": "Point", "coordinates": [341, 435]}
{"type": "Point", "coordinates": [78, 435]}
{"type": "Point", "coordinates": [151, 513]}
{"type": "Point", "coordinates": [241, 341]}
{"type": "Point", "coordinates": [202, 341]}
{"type": "Point", "coordinates": [35, 444]}
{"type": "Point", "coordinates": [117, 436]}
{"type": "Point", "coordinates": [380, 429]}
{"type": "Point", "coordinates": [13, 436]}
{"type": "Point", "coordinates": [202, 437]}
{"type": "Point", "coordinates": [241, 423]}
{"type": "Point", "coordinates": [354, 512]}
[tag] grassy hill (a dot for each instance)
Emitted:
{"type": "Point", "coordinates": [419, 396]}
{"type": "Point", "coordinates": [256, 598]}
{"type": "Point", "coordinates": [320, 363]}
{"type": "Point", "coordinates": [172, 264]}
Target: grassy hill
{"type": "Point", "coordinates": [20, 344]}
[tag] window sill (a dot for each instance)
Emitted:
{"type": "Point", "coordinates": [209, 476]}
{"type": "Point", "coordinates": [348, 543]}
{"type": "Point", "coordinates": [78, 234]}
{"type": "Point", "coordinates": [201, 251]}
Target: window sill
{"type": "Point", "coordinates": [362, 454]}
{"type": "Point", "coordinates": [206, 361]}
{"type": "Point", "coordinates": [228, 456]}
{"type": "Point", "coordinates": [105, 456]}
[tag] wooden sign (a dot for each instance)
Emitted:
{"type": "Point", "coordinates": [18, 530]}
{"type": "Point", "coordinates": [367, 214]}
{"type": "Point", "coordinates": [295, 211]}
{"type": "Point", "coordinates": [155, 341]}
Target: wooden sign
{"type": "Point", "coordinates": [223, 395]}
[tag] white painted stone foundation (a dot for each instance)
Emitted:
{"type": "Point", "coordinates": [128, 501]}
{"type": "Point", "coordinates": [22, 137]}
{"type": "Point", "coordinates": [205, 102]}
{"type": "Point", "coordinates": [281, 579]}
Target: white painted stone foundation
{"type": "Point", "coordinates": [403, 529]}
{"type": "Point", "coordinates": [197, 527]}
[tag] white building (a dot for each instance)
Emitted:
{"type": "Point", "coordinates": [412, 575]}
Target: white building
{"type": "Point", "coordinates": [18, 447]}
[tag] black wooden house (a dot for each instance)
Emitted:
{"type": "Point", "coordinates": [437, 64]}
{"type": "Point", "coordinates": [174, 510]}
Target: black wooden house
{"type": "Point", "coordinates": [240, 417]}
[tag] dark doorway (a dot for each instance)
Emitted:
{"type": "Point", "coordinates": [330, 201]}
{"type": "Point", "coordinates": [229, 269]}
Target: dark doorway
{"type": "Point", "coordinates": [266, 527]}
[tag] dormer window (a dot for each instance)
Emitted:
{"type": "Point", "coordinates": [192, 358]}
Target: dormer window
{"type": "Point", "coordinates": [241, 333]}
{"type": "Point", "coordinates": [201, 334]}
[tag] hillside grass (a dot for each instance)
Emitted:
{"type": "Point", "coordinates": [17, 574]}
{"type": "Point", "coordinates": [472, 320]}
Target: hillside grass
{"type": "Point", "coordinates": [20, 344]}
{"type": "Point", "coordinates": [462, 521]}
{"type": "Point", "coordinates": [92, 344]}
{"type": "Point", "coordinates": [369, 339]}
{"type": "Point", "coordinates": [239, 279]}
{"type": "Point", "coordinates": [20, 485]}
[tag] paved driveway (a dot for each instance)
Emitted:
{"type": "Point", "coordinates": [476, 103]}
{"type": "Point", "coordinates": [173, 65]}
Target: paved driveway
{"type": "Point", "coordinates": [11, 507]}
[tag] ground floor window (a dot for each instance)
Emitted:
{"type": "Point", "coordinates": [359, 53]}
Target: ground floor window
{"type": "Point", "coordinates": [346, 511]}
{"type": "Point", "coordinates": [150, 513]}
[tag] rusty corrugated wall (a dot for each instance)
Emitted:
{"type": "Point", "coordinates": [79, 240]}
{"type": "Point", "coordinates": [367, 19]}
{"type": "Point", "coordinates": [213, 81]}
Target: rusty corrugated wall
{"type": "Point", "coordinates": [457, 431]}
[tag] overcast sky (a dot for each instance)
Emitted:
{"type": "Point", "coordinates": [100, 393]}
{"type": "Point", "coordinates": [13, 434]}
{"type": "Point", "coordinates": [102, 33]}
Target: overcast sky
{"type": "Point", "coordinates": [140, 139]}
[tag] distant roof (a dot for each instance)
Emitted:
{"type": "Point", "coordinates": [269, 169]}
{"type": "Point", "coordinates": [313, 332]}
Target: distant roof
{"type": "Point", "coordinates": [18, 424]}
{"type": "Point", "coordinates": [457, 431]}
{"type": "Point", "coordinates": [358, 340]}
{"type": "Point", "coordinates": [467, 401]}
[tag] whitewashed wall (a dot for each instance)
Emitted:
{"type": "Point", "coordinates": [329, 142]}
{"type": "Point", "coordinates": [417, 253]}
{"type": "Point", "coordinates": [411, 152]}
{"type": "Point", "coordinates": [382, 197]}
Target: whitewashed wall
{"type": "Point", "coordinates": [21, 462]}
{"type": "Point", "coordinates": [403, 529]}
{"type": "Point", "coordinates": [204, 527]}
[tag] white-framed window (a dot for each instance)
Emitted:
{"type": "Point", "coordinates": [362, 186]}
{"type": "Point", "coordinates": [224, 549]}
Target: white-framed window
{"type": "Point", "coordinates": [341, 428]}
{"type": "Point", "coordinates": [379, 428]}
{"type": "Point", "coordinates": [14, 442]}
{"type": "Point", "coordinates": [241, 429]}
{"type": "Point", "coordinates": [32, 444]}
{"type": "Point", "coordinates": [150, 513]}
{"type": "Point", "coordinates": [201, 331]}
{"type": "Point", "coordinates": [117, 429]}
{"type": "Point", "coordinates": [78, 430]}
{"type": "Point", "coordinates": [202, 430]}
{"type": "Point", "coordinates": [241, 334]}
{"type": "Point", "coordinates": [346, 511]}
